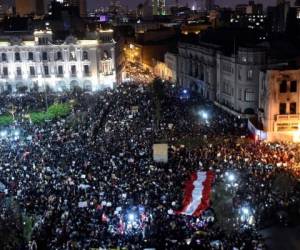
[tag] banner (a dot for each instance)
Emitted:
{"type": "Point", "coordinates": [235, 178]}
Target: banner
{"type": "Point", "coordinates": [197, 193]}
{"type": "Point", "coordinates": [160, 152]}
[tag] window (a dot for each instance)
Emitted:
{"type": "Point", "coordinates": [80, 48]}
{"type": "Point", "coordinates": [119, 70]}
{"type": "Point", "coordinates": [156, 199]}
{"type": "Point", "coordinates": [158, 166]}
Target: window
{"type": "Point", "coordinates": [250, 95]}
{"type": "Point", "coordinates": [250, 74]}
{"type": "Point", "coordinates": [85, 55]}
{"type": "Point", "coordinates": [5, 71]}
{"type": "Point", "coordinates": [19, 71]}
{"type": "Point", "coordinates": [86, 70]}
{"type": "Point", "coordinates": [227, 67]}
{"type": "Point", "coordinates": [244, 59]}
{"type": "Point", "coordinates": [72, 56]}
{"type": "Point", "coordinates": [60, 70]}
{"type": "Point", "coordinates": [240, 73]}
{"type": "Point", "coordinates": [17, 57]}
{"type": "Point", "coordinates": [293, 108]}
{"type": "Point", "coordinates": [282, 108]}
{"type": "Point", "coordinates": [46, 70]}
{"type": "Point", "coordinates": [283, 87]}
{"type": "Point", "coordinates": [4, 57]}
{"type": "Point", "coordinates": [43, 40]}
{"type": "Point", "coordinates": [106, 67]}
{"type": "Point", "coordinates": [240, 94]}
{"type": "Point", "coordinates": [293, 86]}
{"type": "Point", "coordinates": [32, 71]}
{"type": "Point", "coordinates": [30, 56]}
{"type": "Point", "coordinates": [59, 55]}
{"type": "Point", "coordinates": [73, 70]}
{"type": "Point", "coordinates": [45, 56]}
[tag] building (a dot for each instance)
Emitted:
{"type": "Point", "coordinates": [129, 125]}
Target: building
{"type": "Point", "coordinates": [251, 9]}
{"type": "Point", "coordinates": [230, 79]}
{"type": "Point", "coordinates": [277, 16]}
{"type": "Point", "coordinates": [279, 103]}
{"type": "Point", "coordinates": [159, 7]}
{"type": "Point", "coordinates": [38, 62]}
{"type": "Point", "coordinates": [195, 27]}
{"type": "Point", "coordinates": [81, 4]}
{"type": "Point", "coordinates": [167, 70]}
{"type": "Point", "coordinates": [205, 5]}
{"type": "Point", "coordinates": [24, 8]}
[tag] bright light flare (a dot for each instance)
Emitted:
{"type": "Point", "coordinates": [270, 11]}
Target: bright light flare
{"type": "Point", "coordinates": [3, 133]}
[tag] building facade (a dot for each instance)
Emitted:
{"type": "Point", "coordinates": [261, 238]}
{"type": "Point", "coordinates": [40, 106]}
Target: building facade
{"type": "Point", "coordinates": [279, 104]}
{"type": "Point", "coordinates": [232, 80]}
{"type": "Point", "coordinates": [24, 8]}
{"type": "Point", "coordinates": [167, 70]}
{"type": "Point", "coordinates": [81, 4]}
{"type": "Point", "coordinates": [159, 7]}
{"type": "Point", "coordinates": [40, 63]}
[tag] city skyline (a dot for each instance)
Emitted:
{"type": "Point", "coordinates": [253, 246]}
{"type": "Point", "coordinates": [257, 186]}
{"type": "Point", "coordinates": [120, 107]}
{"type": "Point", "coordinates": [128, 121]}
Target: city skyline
{"type": "Point", "coordinates": [132, 3]}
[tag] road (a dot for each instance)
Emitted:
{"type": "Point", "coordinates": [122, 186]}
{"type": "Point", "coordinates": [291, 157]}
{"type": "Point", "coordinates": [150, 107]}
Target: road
{"type": "Point", "coordinates": [282, 238]}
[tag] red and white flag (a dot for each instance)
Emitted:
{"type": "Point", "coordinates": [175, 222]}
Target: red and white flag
{"type": "Point", "coordinates": [197, 193]}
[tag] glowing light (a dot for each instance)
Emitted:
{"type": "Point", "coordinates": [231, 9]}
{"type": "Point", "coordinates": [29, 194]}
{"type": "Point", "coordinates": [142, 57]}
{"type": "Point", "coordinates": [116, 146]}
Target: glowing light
{"type": "Point", "coordinates": [204, 115]}
{"type": "Point", "coordinates": [3, 133]}
{"type": "Point", "coordinates": [245, 211]}
{"type": "Point", "coordinates": [88, 42]}
{"type": "Point", "coordinates": [185, 91]}
{"type": "Point", "coordinates": [231, 177]}
{"type": "Point", "coordinates": [131, 217]}
{"type": "Point", "coordinates": [16, 133]}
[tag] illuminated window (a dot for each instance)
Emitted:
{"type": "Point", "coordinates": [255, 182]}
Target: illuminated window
{"type": "Point", "coordinates": [250, 74]}
{"type": "Point", "coordinates": [106, 67]}
{"type": "Point", "coordinates": [72, 56]}
{"type": "Point", "coordinates": [250, 95]}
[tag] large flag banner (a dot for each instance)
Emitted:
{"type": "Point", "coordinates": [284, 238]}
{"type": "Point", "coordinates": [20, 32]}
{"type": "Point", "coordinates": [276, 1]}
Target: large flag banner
{"type": "Point", "coordinates": [197, 193]}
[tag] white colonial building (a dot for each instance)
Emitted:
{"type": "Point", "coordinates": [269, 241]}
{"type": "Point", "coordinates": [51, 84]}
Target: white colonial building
{"type": "Point", "coordinates": [229, 79]}
{"type": "Point", "coordinates": [38, 62]}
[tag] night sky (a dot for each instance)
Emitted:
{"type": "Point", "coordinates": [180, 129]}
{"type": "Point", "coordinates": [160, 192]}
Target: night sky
{"type": "Point", "coordinates": [132, 3]}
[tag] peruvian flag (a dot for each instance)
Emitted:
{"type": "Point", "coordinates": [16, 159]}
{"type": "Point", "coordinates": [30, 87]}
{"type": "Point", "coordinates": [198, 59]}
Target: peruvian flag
{"type": "Point", "coordinates": [197, 193]}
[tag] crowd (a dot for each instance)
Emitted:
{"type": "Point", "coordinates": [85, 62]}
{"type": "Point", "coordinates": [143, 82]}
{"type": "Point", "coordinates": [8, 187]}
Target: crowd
{"type": "Point", "coordinates": [89, 180]}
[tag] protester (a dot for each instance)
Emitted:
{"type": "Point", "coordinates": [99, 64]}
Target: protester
{"type": "Point", "coordinates": [89, 180]}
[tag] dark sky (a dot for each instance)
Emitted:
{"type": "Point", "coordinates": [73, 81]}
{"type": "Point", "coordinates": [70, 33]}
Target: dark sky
{"type": "Point", "coordinates": [132, 3]}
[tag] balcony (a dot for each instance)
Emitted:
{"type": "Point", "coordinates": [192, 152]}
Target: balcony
{"type": "Point", "coordinates": [290, 118]}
